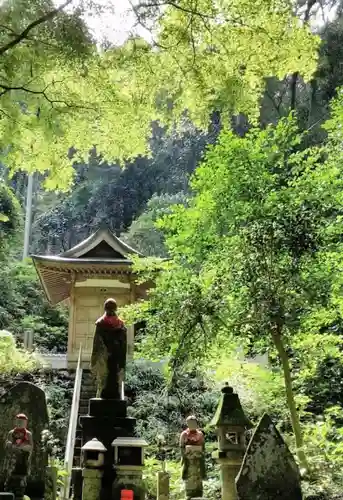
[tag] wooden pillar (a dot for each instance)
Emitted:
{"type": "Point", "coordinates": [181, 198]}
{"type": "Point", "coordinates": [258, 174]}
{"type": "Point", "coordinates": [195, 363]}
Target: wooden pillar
{"type": "Point", "coordinates": [71, 326]}
{"type": "Point", "coordinates": [131, 328]}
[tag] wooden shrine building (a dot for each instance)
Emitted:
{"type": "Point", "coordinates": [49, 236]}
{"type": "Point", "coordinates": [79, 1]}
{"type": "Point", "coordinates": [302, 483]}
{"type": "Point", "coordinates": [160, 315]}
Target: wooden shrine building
{"type": "Point", "coordinates": [86, 275]}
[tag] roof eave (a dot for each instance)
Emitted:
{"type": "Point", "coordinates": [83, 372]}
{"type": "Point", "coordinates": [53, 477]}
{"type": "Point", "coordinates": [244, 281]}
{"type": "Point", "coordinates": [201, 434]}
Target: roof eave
{"type": "Point", "coordinates": [50, 259]}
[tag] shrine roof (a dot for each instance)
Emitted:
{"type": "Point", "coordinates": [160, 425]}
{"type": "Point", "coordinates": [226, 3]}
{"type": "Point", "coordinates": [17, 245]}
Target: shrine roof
{"type": "Point", "coordinates": [101, 244]}
{"type": "Point", "coordinates": [102, 253]}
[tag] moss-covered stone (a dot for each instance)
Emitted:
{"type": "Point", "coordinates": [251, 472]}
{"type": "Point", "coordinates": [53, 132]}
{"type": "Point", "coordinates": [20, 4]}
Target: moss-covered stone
{"type": "Point", "coordinates": [29, 399]}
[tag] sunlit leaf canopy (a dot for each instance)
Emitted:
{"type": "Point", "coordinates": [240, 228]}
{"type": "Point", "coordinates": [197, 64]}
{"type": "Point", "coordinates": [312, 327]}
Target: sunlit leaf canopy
{"type": "Point", "coordinates": [59, 91]}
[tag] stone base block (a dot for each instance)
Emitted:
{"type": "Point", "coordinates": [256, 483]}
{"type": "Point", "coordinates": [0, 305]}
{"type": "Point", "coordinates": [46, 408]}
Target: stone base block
{"type": "Point", "coordinates": [110, 407]}
{"type": "Point", "coordinates": [76, 480]}
{"type": "Point", "coordinates": [163, 480]}
{"type": "Point", "coordinates": [129, 479]}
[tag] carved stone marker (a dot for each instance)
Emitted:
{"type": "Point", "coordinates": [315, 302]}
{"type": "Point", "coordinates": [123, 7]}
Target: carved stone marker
{"type": "Point", "coordinates": [268, 471]}
{"type": "Point", "coordinates": [29, 399]}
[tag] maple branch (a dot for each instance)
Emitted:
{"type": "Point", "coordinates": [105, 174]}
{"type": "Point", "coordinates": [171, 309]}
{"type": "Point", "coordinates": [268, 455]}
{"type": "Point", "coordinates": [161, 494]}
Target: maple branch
{"type": "Point", "coordinates": [21, 36]}
{"type": "Point", "coordinates": [7, 88]}
{"type": "Point", "coordinates": [174, 4]}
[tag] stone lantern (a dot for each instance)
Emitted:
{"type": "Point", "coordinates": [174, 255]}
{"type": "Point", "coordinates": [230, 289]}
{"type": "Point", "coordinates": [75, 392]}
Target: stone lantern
{"type": "Point", "coordinates": [93, 457]}
{"type": "Point", "coordinates": [231, 424]}
{"type": "Point", "coordinates": [129, 465]}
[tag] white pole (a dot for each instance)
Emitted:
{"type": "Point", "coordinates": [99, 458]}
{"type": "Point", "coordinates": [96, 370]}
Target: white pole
{"type": "Point", "coordinates": [28, 216]}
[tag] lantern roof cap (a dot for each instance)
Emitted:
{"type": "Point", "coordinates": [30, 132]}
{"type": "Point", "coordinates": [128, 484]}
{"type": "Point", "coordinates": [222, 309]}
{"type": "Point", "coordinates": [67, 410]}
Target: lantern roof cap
{"type": "Point", "coordinates": [230, 411]}
{"type": "Point", "coordinates": [94, 445]}
{"type": "Point", "coordinates": [130, 442]}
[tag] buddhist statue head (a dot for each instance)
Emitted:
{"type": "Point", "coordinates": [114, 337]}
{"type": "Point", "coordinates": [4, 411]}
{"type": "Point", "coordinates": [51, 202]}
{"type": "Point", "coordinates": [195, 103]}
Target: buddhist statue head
{"type": "Point", "coordinates": [110, 307]}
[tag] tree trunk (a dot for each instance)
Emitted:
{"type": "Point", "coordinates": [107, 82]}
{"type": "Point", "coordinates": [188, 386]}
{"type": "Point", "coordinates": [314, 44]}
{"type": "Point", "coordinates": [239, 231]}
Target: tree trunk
{"type": "Point", "coordinates": [295, 76]}
{"type": "Point", "coordinates": [294, 82]}
{"type": "Point", "coordinates": [277, 337]}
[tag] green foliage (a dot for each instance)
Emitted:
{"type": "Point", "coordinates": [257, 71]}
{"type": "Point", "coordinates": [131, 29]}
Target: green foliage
{"type": "Point", "coordinates": [256, 253]}
{"type": "Point", "coordinates": [260, 389]}
{"type": "Point", "coordinates": [12, 359]}
{"type": "Point", "coordinates": [143, 233]}
{"type": "Point", "coordinates": [49, 445]}
{"type": "Point", "coordinates": [251, 246]}
{"type": "Point", "coordinates": [317, 360]}
{"type": "Point", "coordinates": [59, 92]}
{"type": "Point", "coordinates": [23, 307]}
{"type": "Point", "coordinates": [161, 408]}
{"type": "Point", "coordinates": [152, 466]}
{"type": "Point", "coordinates": [324, 445]}
{"type": "Point", "coordinates": [59, 391]}
{"type": "Point", "coordinates": [222, 65]}
{"type": "Point", "coordinates": [10, 217]}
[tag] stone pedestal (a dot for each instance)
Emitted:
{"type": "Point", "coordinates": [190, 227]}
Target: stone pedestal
{"type": "Point", "coordinates": [129, 465]}
{"type": "Point", "coordinates": [106, 421]}
{"type": "Point", "coordinates": [162, 485]}
{"type": "Point", "coordinates": [17, 485]}
{"type": "Point", "coordinates": [91, 488]}
{"type": "Point", "coordinates": [228, 472]}
{"type": "Point", "coordinates": [230, 464]}
{"type": "Point", "coordinates": [128, 478]}
{"type": "Point", "coordinates": [76, 480]}
{"type": "Point", "coordinates": [194, 456]}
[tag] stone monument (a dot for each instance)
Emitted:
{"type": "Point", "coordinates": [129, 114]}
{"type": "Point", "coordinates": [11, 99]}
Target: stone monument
{"type": "Point", "coordinates": [129, 465]}
{"type": "Point", "coordinates": [28, 399]}
{"type": "Point", "coordinates": [269, 470]}
{"type": "Point", "coordinates": [162, 476]}
{"type": "Point", "coordinates": [18, 446]}
{"type": "Point", "coordinates": [93, 454]}
{"type": "Point", "coordinates": [107, 415]}
{"type": "Point", "coordinates": [192, 444]}
{"type": "Point", "coordinates": [231, 425]}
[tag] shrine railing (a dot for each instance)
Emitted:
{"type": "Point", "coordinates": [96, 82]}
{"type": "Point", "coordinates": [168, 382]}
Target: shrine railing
{"type": "Point", "coordinates": [70, 446]}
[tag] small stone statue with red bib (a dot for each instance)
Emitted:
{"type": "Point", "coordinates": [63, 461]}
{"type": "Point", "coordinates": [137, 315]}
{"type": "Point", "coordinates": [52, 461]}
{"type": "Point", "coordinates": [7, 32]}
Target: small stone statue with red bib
{"type": "Point", "coordinates": [19, 446]}
{"type": "Point", "coordinates": [192, 444]}
{"type": "Point", "coordinates": [109, 352]}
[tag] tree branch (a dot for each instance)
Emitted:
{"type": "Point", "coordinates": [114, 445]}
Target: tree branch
{"type": "Point", "coordinates": [43, 93]}
{"type": "Point", "coordinates": [31, 26]}
{"type": "Point", "coordinates": [174, 4]}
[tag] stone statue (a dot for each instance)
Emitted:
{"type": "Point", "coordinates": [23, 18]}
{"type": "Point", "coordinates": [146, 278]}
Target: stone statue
{"type": "Point", "coordinates": [192, 444]}
{"type": "Point", "coordinates": [19, 446]}
{"type": "Point", "coordinates": [109, 353]}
